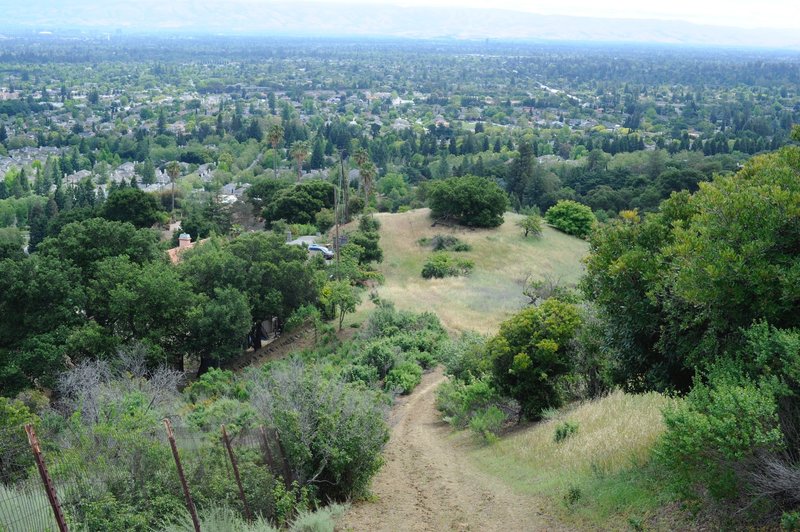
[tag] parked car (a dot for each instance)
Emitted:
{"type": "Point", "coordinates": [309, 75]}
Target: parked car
{"type": "Point", "coordinates": [327, 253]}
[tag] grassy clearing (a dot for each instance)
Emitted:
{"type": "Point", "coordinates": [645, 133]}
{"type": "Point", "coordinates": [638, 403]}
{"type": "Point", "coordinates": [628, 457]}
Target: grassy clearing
{"type": "Point", "coordinates": [493, 291]}
{"type": "Point", "coordinates": [597, 477]}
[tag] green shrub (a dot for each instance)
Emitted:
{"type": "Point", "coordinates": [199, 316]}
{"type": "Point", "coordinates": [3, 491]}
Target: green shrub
{"type": "Point", "coordinates": [303, 229]}
{"type": "Point", "coordinates": [290, 502]}
{"type": "Point", "coordinates": [331, 430]}
{"type": "Point", "coordinates": [235, 415]}
{"type": "Point", "coordinates": [381, 355]}
{"type": "Point", "coordinates": [565, 430]}
{"type": "Point", "coordinates": [424, 359]}
{"type": "Point", "coordinates": [386, 321]}
{"type": "Point", "coordinates": [108, 513]}
{"type": "Point", "coordinates": [216, 383]}
{"type": "Point", "coordinates": [413, 342]}
{"type": "Point", "coordinates": [571, 217]}
{"type": "Point", "coordinates": [444, 243]}
{"type": "Point", "coordinates": [531, 355]}
{"type": "Point", "coordinates": [790, 521]}
{"type": "Point", "coordinates": [442, 265]}
{"type": "Point", "coordinates": [459, 400]}
{"type": "Point", "coordinates": [404, 377]}
{"type": "Point", "coordinates": [360, 373]}
{"type": "Point", "coordinates": [368, 224]}
{"type": "Point", "coordinates": [487, 423]}
{"type": "Point", "coordinates": [322, 520]}
{"type": "Point", "coordinates": [719, 425]}
{"type": "Point", "coordinates": [301, 316]}
{"type": "Point", "coordinates": [465, 357]}
{"type": "Point", "coordinates": [573, 495]}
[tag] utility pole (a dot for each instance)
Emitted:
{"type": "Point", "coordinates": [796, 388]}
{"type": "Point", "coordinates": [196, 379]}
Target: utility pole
{"type": "Point", "coordinates": [338, 192]}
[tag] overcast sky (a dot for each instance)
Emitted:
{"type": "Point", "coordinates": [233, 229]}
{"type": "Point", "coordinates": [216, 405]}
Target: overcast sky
{"type": "Point", "coordinates": [741, 13]}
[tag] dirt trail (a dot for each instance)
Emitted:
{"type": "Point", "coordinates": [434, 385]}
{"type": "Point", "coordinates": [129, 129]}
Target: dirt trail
{"type": "Point", "coordinates": [428, 484]}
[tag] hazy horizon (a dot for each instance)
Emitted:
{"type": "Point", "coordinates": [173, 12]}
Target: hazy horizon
{"type": "Point", "coordinates": [572, 20]}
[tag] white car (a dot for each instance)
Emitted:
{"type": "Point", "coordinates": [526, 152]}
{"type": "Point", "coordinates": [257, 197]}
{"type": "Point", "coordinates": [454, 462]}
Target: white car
{"type": "Point", "coordinates": [328, 254]}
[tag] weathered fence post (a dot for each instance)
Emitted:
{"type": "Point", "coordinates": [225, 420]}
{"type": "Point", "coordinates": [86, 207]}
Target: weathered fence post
{"type": "Point", "coordinates": [46, 480]}
{"type": "Point", "coordinates": [227, 443]}
{"type": "Point", "coordinates": [189, 502]}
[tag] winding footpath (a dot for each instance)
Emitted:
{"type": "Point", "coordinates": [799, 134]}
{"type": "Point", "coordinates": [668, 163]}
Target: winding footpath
{"type": "Point", "coordinates": [429, 484]}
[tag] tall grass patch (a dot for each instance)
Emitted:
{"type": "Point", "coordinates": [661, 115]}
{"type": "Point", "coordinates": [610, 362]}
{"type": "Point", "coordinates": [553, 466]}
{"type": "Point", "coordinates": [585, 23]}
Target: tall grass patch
{"type": "Point", "coordinates": [606, 460]}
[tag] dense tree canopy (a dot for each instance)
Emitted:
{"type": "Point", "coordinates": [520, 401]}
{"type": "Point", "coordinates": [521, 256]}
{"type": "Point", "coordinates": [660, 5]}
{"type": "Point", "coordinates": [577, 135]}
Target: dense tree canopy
{"type": "Point", "coordinates": [470, 200]}
{"type": "Point", "coordinates": [677, 287]}
{"type": "Point", "coordinates": [300, 203]}
{"type": "Point", "coordinates": [132, 205]}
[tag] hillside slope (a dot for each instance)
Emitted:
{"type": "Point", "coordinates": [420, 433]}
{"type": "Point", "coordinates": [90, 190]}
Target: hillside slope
{"type": "Point", "coordinates": [493, 291]}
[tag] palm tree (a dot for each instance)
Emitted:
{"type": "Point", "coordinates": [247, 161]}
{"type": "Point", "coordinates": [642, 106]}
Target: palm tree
{"type": "Point", "coordinates": [368, 171]}
{"type": "Point", "coordinates": [361, 156]}
{"type": "Point", "coordinates": [275, 137]}
{"type": "Point", "coordinates": [173, 171]}
{"type": "Point", "coordinates": [300, 150]}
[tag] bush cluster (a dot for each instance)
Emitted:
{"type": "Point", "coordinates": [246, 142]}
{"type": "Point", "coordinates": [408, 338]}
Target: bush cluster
{"type": "Point", "coordinates": [571, 217]}
{"type": "Point", "coordinates": [441, 264]}
{"type": "Point", "coordinates": [441, 242]}
{"type": "Point", "coordinates": [328, 407]}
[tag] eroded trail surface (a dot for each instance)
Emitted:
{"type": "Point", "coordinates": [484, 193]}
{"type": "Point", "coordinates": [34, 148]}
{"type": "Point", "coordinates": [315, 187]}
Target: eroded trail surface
{"type": "Point", "coordinates": [428, 484]}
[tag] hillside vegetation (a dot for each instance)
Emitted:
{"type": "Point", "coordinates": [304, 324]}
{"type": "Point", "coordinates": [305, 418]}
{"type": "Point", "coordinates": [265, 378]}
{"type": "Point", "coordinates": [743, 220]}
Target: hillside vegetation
{"type": "Point", "coordinates": [596, 477]}
{"type": "Point", "coordinates": [493, 291]}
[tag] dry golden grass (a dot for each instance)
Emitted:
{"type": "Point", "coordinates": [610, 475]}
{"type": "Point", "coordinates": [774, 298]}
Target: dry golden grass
{"type": "Point", "coordinates": [614, 433]}
{"type": "Point", "coordinates": [493, 291]}
{"type": "Point", "coordinates": [604, 460]}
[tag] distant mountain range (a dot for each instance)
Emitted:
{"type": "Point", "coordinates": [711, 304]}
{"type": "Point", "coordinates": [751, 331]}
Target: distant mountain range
{"type": "Point", "coordinates": [324, 19]}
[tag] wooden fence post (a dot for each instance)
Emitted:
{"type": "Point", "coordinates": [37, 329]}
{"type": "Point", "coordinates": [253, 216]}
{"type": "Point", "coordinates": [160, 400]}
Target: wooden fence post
{"type": "Point", "coordinates": [46, 480]}
{"type": "Point", "coordinates": [227, 443]}
{"type": "Point", "coordinates": [189, 502]}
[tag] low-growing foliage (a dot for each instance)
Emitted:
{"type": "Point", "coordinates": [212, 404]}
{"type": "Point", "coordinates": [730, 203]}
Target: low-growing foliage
{"type": "Point", "coordinates": [459, 401]}
{"type": "Point", "coordinates": [487, 423]}
{"type": "Point", "coordinates": [571, 217]}
{"type": "Point", "coordinates": [564, 430]}
{"type": "Point", "coordinates": [404, 377]}
{"type": "Point", "coordinates": [720, 424]}
{"type": "Point", "coordinates": [440, 265]}
{"type": "Point", "coordinates": [322, 520]}
{"type": "Point", "coordinates": [790, 521]}
{"type": "Point", "coordinates": [465, 357]}
{"type": "Point", "coordinates": [573, 495]}
{"type": "Point", "coordinates": [442, 242]}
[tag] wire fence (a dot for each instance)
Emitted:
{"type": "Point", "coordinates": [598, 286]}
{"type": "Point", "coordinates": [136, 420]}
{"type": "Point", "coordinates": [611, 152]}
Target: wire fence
{"type": "Point", "coordinates": [64, 490]}
{"type": "Point", "coordinates": [24, 505]}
